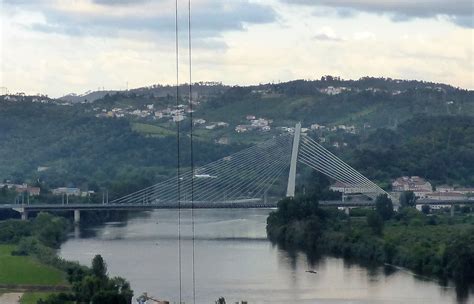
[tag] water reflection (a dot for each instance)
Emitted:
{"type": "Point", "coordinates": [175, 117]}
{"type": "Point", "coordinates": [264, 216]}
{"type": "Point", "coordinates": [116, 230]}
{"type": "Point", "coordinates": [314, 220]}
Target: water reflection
{"type": "Point", "coordinates": [235, 260]}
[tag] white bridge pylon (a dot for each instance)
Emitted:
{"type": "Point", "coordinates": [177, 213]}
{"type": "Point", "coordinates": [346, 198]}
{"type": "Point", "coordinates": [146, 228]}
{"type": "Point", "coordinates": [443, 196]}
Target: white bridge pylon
{"type": "Point", "coordinates": [309, 152]}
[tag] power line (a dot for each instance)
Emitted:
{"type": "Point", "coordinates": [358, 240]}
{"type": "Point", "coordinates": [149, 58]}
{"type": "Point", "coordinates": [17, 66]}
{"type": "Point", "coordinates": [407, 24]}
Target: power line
{"type": "Point", "coordinates": [178, 176]}
{"type": "Point", "coordinates": [192, 149]}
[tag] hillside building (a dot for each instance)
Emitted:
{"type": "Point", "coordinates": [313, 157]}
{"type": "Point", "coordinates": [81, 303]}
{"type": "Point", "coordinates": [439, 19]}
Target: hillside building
{"type": "Point", "coordinates": [418, 185]}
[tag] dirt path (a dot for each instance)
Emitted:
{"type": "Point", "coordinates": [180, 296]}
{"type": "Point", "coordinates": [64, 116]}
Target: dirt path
{"type": "Point", "coordinates": [11, 298]}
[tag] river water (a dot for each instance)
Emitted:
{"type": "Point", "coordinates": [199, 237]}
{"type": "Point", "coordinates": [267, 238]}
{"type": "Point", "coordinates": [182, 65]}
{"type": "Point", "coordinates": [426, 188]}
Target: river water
{"type": "Point", "coordinates": [234, 259]}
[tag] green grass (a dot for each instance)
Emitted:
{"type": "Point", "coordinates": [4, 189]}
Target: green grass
{"type": "Point", "coordinates": [151, 129]}
{"type": "Point", "coordinates": [25, 270]}
{"type": "Point", "coordinates": [358, 115]}
{"type": "Point", "coordinates": [33, 297]}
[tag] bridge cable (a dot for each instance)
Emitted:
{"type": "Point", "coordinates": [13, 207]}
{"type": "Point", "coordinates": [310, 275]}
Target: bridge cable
{"type": "Point", "coordinates": [359, 179]}
{"type": "Point", "coordinates": [232, 175]}
{"type": "Point", "coordinates": [178, 151]}
{"type": "Point", "coordinates": [317, 157]}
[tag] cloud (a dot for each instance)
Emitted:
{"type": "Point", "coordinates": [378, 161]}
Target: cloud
{"type": "Point", "coordinates": [327, 34]}
{"type": "Point", "coordinates": [460, 12]}
{"type": "Point", "coordinates": [119, 2]}
{"type": "Point", "coordinates": [143, 18]}
{"type": "Point", "coordinates": [364, 36]}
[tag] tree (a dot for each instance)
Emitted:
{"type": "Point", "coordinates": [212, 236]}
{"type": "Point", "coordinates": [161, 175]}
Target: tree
{"type": "Point", "coordinates": [459, 256]}
{"type": "Point", "coordinates": [99, 268]}
{"type": "Point", "coordinates": [375, 222]}
{"type": "Point", "coordinates": [221, 300]}
{"type": "Point", "coordinates": [407, 199]}
{"type": "Point", "coordinates": [4, 191]}
{"type": "Point", "coordinates": [425, 209]}
{"type": "Point", "coordinates": [384, 207]}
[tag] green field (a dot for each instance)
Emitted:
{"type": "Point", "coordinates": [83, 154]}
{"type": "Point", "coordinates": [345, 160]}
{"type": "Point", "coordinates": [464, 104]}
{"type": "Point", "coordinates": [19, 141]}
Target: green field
{"type": "Point", "coordinates": [151, 129]}
{"type": "Point", "coordinates": [33, 297]}
{"type": "Point", "coordinates": [25, 270]}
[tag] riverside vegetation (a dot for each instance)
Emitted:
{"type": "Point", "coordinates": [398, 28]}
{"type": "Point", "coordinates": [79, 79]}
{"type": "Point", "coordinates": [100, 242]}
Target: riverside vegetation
{"type": "Point", "coordinates": [434, 245]}
{"type": "Point", "coordinates": [28, 260]}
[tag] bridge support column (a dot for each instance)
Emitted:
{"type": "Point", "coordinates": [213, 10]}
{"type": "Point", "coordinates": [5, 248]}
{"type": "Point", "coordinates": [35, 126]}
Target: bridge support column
{"type": "Point", "coordinates": [347, 210]}
{"type": "Point", "coordinates": [24, 215]}
{"type": "Point", "coordinates": [77, 216]}
{"type": "Point", "coordinates": [452, 210]}
{"type": "Point", "coordinates": [290, 190]}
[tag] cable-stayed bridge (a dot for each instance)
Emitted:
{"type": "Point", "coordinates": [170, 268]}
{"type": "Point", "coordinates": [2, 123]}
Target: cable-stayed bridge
{"type": "Point", "coordinates": [241, 180]}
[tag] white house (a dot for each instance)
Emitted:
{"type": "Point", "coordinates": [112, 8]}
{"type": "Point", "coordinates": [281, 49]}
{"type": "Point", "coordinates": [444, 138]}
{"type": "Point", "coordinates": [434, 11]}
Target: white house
{"type": "Point", "coordinates": [178, 117]}
{"type": "Point", "coordinates": [199, 121]}
{"type": "Point", "coordinates": [222, 124]}
{"type": "Point", "coordinates": [445, 188]}
{"type": "Point", "coordinates": [345, 188]}
{"type": "Point", "coordinates": [446, 196]}
{"type": "Point", "coordinates": [418, 185]}
{"type": "Point", "coordinates": [466, 191]}
{"type": "Point", "coordinates": [67, 191]}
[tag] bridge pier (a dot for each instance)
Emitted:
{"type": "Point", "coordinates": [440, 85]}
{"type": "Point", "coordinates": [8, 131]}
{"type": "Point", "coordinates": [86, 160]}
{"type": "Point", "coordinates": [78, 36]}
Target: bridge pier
{"type": "Point", "coordinates": [24, 215]}
{"type": "Point", "coordinates": [347, 210]}
{"type": "Point", "coordinates": [77, 216]}
{"type": "Point", "coordinates": [452, 210]}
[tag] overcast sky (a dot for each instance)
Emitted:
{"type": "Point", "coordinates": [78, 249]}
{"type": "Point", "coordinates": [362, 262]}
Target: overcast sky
{"type": "Point", "coordinates": [61, 46]}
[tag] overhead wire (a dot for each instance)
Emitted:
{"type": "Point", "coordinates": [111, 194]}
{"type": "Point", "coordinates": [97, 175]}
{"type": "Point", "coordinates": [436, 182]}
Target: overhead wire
{"type": "Point", "coordinates": [191, 152]}
{"type": "Point", "coordinates": [178, 152]}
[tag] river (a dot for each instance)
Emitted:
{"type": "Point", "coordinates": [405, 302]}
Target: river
{"type": "Point", "coordinates": [234, 259]}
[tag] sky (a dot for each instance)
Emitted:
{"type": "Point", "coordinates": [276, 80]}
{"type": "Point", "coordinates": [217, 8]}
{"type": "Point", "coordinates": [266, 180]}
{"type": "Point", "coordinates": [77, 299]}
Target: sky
{"type": "Point", "coordinates": [57, 47]}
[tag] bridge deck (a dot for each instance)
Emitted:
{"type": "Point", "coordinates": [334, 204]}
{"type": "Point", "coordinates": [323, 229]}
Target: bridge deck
{"type": "Point", "coordinates": [245, 204]}
{"type": "Point", "coordinates": [131, 207]}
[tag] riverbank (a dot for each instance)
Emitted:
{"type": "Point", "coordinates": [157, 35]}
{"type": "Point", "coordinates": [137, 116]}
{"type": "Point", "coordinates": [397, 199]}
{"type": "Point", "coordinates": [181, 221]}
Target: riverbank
{"type": "Point", "coordinates": [27, 252]}
{"type": "Point", "coordinates": [30, 265]}
{"type": "Point", "coordinates": [25, 280]}
{"type": "Point", "coordinates": [437, 245]}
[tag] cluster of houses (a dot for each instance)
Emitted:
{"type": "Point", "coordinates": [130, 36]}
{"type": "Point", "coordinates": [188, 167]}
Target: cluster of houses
{"type": "Point", "coordinates": [21, 97]}
{"type": "Point", "coordinates": [35, 191]}
{"type": "Point", "coordinates": [348, 129]}
{"type": "Point", "coordinates": [330, 90]}
{"type": "Point", "coordinates": [67, 191]}
{"type": "Point", "coordinates": [22, 188]}
{"type": "Point", "coordinates": [209, 126]}
{"type": "Point", "coordinates": [254, 123]}
{"type": "Point", "coordinates": [175, 114]}
{"type": "Point", "coordinates": [423, 189]}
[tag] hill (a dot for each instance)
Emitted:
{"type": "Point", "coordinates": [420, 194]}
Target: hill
{"type": "Point", "coordinates": [127, 140]}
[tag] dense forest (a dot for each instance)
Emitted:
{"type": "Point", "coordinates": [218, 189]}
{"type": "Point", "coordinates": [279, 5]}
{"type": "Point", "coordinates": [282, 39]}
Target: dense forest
{"type": "Point", "coordinates": [439, 148]}
{"type": "Point", "coordinates": [85, 151]}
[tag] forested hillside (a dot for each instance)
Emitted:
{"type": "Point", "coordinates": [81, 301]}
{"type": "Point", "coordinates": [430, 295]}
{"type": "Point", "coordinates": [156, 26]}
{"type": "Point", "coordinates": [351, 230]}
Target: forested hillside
{"type": "Point", "coordinates": [439, 148]}
{"type": "Point", "coordinates": [84, 151]}
{"type": "Point", "coordinates": [397, 128]}
{"type": "Point", "coordinates": [369, 101]}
